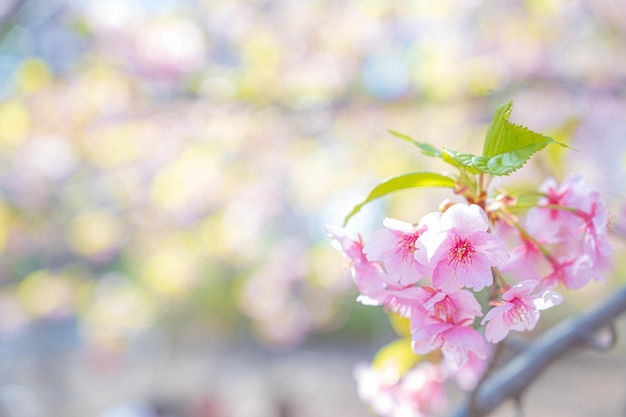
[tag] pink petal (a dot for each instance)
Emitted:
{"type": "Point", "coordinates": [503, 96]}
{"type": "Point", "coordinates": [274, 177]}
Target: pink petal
{"type": "Point", "coordinates": [477, 275]}
{"type": "Point", "coordinates": [496, 330]}
{"type": "Point", "coordinates": [429, 303]}
{"type": "Point", "coordinates": [460, 340]}
{"type": "Point", "coordinates": [445, 278]}
{"type": "Point", "coordinates": [380, 242]}
{"type": "Point", "coordinates": [427, 247]}
{"type": "Point", "coordinates": [578, 274]}
{"type": "Point", "coordinates": [528, 323]}
{"type": "Point", "coordinates": [496, 311]}
{"type": "Point", "coordinates": [491, 247]}
{"type": "Point", "coordinates": [430, 331]}
{"type": "Point", "coordinates": [399, 225]}
{"type": "Point", "coordinates": [521, 289]}
{"type": "Point", "coordinates": [465, 219]}
{"type": "Point", "coordinates": [466, 301]}
{"type": "Point", "coordinates": [547, 299]}
{"type": "Point", "coordinates": [432, 222]}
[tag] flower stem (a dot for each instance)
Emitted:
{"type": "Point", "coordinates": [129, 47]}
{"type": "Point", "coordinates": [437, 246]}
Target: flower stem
{"type": "Point", "coordinates": [524, 235]}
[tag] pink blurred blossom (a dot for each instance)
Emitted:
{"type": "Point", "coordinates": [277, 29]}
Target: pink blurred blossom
{"type": "Point", "coordinates": [419, 392]}
{"type": "Point", "coordinates": [469, 373]}
{"type": "Point", "coordinates": [549, 221]}
{"type": "Point", "coordinates": [573, 272]}
{"type": "Point", "coordinates": [526, 261]}
{"type": "Point", "coordinates": [595, 242]}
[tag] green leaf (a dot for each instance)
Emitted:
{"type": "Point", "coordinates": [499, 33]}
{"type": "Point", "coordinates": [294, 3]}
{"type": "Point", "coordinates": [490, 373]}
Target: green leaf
{"type": "Point", "coordinates": [402, 182]}
{"type": "Point", "coordinates": [426, 148]}
{"type": "Point", "coordinates": [507, 146]}
{"type": "Point", "coordinates": [497, 128]}
{"type": "Point", "coordinates": [501, 164]}
{"type": "Point", "coordinates": [449, 156]}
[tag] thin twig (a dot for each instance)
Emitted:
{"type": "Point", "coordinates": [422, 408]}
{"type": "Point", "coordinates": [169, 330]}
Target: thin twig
{"type": "Point", "coordinates": [511, 380]}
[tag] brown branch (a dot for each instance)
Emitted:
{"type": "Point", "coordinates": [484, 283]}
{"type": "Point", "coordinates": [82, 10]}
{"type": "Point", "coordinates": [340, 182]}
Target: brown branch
{"type": "Point", "coordinates": [511, 380]}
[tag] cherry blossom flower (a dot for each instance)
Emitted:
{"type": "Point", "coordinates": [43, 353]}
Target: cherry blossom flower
{"type": "Point", "coordinates": [377, 387]}
{"type": "Point", "coordinates": [564, 240]}
{"type": "Point", "coordinates": [572, 271]}
{"type": "Point", "coordinates": [377, 289]}
{"type": "Point", "coordinates": [579, 227]}
{"type": "Point", "coordinates": [526, 261]}
{"type": "Point", "coordinates": [429, 305]}
{"type": "Point", "coordinates": [345, 241]}
{"type": "Point", "coordinates": [368, 276]}
{"type": "Point", "coordinates": [595, 242]}
{"type": "Point", "coordinates": [418, 393]}
{"type": "Point", "coordinates": [455, 340]}
{"type": "Point", "coordinates": [421, 391]}
{"type": "Point", "coordinates": [519, 310]}
{"type": "Point", "coordinates": [375, 286]}
{"type": "Point", "coordinates": [394, 246]}
{"type": "Point", "coordinates": [578, 193]}
{"type": "Point", "coordinates": [468, 374]}
{"type": "Point", "coordinates": [466, 251]}
{"type": "Point", "coordinates": [549, 221]}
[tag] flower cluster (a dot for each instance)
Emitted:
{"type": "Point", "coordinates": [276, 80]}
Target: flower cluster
{"type": "Point", "coordinates": [432, 272]}
{"type": "Point", "coordinates": [570, 220]}
{"type": "Point", "coordinates": [419, 392]}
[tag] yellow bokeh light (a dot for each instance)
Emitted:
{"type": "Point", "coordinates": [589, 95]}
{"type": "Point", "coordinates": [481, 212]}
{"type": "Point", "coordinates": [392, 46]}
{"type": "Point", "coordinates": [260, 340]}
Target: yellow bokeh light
{"type": "Point", "coordinates": [104, 90]}
{"type": "Point", "coordinates": [33, 75]}
{"type": "Point", "coordinates": [95, 232]}
{"type": "Point", "coordinates": [5, 223]}
{"type": "Point", "coordinates": [44, 293]}
{"type": "Point", "coordinates": [170, 269]}
{"type": "Point", "coordinates": [15, 121]}
{"type": "Point", "coordinates": [193, 175]}
{"type": "Point", "coordinates": [116, 145]}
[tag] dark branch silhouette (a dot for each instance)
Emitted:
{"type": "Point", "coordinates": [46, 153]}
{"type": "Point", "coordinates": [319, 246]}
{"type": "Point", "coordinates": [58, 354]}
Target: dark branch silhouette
{"type": "Point", "coordinates": [509, 381]}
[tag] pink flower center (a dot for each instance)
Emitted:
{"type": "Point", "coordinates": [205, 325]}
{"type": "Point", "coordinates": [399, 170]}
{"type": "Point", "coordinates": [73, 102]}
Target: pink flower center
{"type": "Point", "coordinates": [444, 311]}
{"type": "Point", "coordinates": [461, 252]}
{"type": "Point", "coordinates": [406, 246]}
{"type": "Point", "coordinates": [520, 313]}
{"type": "Point", "coordinates": [555, 197]}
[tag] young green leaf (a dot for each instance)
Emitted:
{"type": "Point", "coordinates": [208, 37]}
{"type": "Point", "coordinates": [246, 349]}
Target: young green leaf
{"type": "Point", "coordinates": [500, 164]}
{"type": "Point", "coordinates": [402, 182]}
{"type": "Point", "coordinates": [504, 136]}
{"type": "Point", "coordinates": [496, 129]}
{"type": "Point", "coordinates": [426, 148]}
{"type": "Point", "coordinates": [450, 157]}
{"type": "Point", "coordinates": [507, 146]}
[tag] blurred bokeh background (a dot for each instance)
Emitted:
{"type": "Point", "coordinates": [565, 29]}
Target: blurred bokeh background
{"type": "Point", "coordinates": [167, 168]}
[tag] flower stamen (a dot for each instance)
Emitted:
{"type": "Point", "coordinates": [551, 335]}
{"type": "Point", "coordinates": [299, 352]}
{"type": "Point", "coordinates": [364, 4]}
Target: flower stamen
{"type": "Point", "coordinates": [461, 252]}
